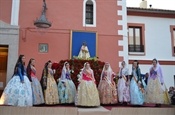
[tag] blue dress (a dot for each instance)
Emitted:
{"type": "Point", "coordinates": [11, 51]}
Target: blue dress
{"type": "Point", "coordinates": [66, 88]}
{"type": "Point", "coordinates": [17, 93]}
{"type": "Point", "coordinates": [137, 96]}
{"type": "Point", "coordinates": [37, 92]}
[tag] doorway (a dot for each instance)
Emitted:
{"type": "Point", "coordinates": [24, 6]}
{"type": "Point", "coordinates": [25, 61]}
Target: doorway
{"type": "Point", "coordinates": [3, 66]}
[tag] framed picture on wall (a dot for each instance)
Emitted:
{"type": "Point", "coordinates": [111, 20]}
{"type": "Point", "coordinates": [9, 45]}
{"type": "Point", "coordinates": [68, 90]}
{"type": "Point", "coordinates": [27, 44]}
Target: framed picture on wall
{"type": "Point", "coordinates": [83, 44]}
{"type": "Point", "coordinates": [43, 47]}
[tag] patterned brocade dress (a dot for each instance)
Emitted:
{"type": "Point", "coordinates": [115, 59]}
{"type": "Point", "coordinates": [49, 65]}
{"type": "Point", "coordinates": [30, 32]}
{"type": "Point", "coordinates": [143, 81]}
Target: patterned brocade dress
{"type": "Point", "coordinates": [17, 93]}
{"type": "Point", "coordinates": [123, 86]}
{"type": "Point", "coordinates": [36, 88]}
{"type": "Point", "coordinates": [66, 89]}
{"type": "Point", "coordinates": [137, 97]}
{"type": "Point", "coordinates": [87, 91]}
{"type": "Point", "coordinates": [154, 91]}
{"type": "Point", "coordinates": [51, 92]}
{"type": "Point", "coordinates": [107, 90]}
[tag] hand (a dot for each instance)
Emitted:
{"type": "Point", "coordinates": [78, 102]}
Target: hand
{"type": "Point", "coordinates": [126, 84]}
{"type": "Point", "coordinates": [44, 84]}
{"type": "Point", "coordinates": [138, 84]}
{"type": "Point", "coordinates": [54, 71]}
{"type": "Point", "coordinates": [64, 84]}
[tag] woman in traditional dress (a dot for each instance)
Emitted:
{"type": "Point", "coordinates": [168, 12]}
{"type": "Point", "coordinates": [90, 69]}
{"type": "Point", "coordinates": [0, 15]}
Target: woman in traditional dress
{"type": "Point", "coordinates": [107, 88]}
{"type": "Point", "coordinates": [66, 87]}
{"type": "Point", "coordinates": [87, 91]}
{"type": "Point", "coordinates": [18, 91]}
{"type": "Point", "coordinates": [123, 84]}
{"type": "Point", "coordinates": [136, 86]}
{"type": "Point", "coordinates": [36, 86]}
{"type": "Point", "coordinates": [49, 85]}
{"type": "Point", "coordinates": [154, 91]}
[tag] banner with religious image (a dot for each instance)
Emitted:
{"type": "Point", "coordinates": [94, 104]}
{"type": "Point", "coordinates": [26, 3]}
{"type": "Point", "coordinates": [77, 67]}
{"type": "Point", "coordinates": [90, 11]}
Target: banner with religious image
{"type": "Point", "coordinates": [83, 44]}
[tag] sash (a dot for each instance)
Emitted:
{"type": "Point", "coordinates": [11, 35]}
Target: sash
{"type": "Point", "coordinates": [124, 77]}
{"type": "Point", "coordinates": [87, 77]}
{"type": "Point", "coordinates": [140, 88]}
{"type": "Point", "coordinates": [109, 82]}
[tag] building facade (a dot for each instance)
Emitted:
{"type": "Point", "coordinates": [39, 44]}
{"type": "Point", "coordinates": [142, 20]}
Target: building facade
{"type": "Point", "coordinates": [151, 34]}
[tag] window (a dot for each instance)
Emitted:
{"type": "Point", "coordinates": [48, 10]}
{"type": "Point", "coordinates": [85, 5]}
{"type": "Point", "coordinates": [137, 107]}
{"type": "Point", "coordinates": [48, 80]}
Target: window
{"type": "Point", "coordinates": [43, 48]}
{"type": "Point", "coordinates": [172, 29]}
{"type": "Point", "coordinates": [136, 38]}
{"type": "Point", "coordinates": [89, 13]}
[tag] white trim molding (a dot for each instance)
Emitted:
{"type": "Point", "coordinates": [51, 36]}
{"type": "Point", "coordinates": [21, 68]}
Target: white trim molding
{"type": "Point", "coordinates": [124, 30]}
{"type": "Point", "coordinates": [94, 14]}
{"type": "Point", "coordinates": [15, 12]}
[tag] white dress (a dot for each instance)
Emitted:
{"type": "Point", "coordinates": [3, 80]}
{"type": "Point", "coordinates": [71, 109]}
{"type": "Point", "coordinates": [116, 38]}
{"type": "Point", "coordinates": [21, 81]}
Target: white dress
{"type": "Point", "coordinates": [17, 93]}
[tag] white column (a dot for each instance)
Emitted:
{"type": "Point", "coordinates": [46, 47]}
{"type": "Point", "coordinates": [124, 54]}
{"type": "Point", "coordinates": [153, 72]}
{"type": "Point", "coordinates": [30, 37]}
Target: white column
{"type": "Point", "coordinates": [15, 12]}
{"type": "Point", "coordinates": [124, 30]}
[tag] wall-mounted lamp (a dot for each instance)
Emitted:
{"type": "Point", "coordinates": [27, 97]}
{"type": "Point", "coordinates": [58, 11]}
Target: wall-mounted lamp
{"type": "Point", "coordinates": [42, 21]}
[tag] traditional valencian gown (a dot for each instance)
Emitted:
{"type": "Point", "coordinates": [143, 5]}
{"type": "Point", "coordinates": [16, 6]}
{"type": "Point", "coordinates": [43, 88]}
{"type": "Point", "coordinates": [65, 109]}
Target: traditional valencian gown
{"type": "Point", "coordinates": [87, 91]}
{"type": "Point", "coordinates": [36, 87]}
{"type": "Point", "coordinates": [137, 96]}
{"type": "Point", "coordinates": [107, 88]}
{"type": "Point", "coordinates": [154, 91]}
{"type": "Point", "coordinates": [49, 87]}
{"type": "Point", "coordinates": [123, 85]}
{"type": "Point", "coordinates": [17, 93]}
{"type": "Point", "coordinates": [66, 87]}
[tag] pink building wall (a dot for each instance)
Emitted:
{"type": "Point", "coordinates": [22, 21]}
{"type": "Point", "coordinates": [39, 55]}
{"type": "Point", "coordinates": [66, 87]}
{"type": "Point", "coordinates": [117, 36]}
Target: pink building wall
{"type": "Point", "coordinates": [67, 15]}
{"type": "Point", "coordinates": [5, 10]}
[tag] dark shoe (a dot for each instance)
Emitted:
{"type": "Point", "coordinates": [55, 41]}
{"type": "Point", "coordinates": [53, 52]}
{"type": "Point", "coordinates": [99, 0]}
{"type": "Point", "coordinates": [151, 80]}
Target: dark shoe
{"type": "Point", "coordinates": [158, 105]}
{"type": "Point", "coordinates": [125, 103]}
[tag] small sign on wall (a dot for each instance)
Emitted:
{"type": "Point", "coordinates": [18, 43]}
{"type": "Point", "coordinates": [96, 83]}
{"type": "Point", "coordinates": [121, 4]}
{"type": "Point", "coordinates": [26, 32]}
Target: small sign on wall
{"type": "Point", "coordinates": [43, 47]}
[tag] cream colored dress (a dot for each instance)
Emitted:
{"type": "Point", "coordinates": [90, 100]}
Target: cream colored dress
{"type": "Point", "coordinates": [51, 92]}
{"type": "Point", "coordinates": [154, 91]}
{"type": "Point", "coordinates": [87, 91]}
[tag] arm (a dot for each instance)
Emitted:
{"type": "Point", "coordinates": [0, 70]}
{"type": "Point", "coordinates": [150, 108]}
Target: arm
{"type": "Point", "coordinates": [19, 71]}
{"type": "Point", "coordinates": [29, 74]}
{"type": "Point", "coordinates": [118, 75]}
{"type": "Point", "coordinates": [113, 77]}
{"type": "Point", "coordinates": [160, 75]}
{"type": "Point", "coordinates": [44, 79]}
{"type": "Point", "coordinates": [127, 72]}
{"type": "Point", "coordinates": [70, 75]}
{"type": "Point", "coordinates": [80, 75]}
{"type": "Point", "coordinates": [93, 75]}
{"type": "Point", "coordinates": [139, 75]}
{"type": "Point", "coordinates": [63, 75]}
{"type": "Point", "coordinates": [125, 76]}
{"type": "Point", "coordinates": [101, 77]}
